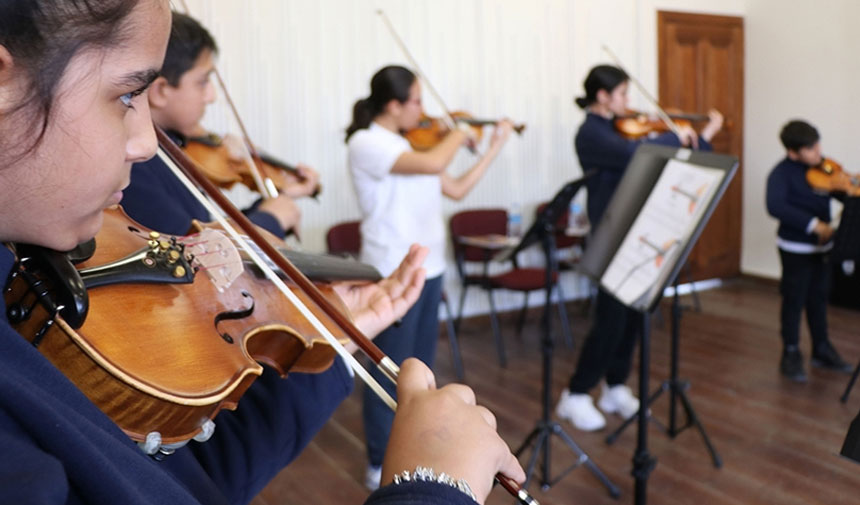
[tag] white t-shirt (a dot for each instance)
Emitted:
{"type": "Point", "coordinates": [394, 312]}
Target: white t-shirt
{"type": "Point", "coordinates": [397, 210]}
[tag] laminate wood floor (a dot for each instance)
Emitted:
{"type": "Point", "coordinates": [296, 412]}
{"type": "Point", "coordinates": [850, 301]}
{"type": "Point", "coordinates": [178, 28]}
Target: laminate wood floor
{"type": "Point", "coordinates": [779, 441]}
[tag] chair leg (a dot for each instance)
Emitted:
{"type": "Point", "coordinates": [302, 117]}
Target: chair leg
{"type": "Point", "coordinates": [453, 343]}
{"type": "Point", "coordinates": [497, 332]}
{"type": "Point", "coordinates": [562, 314]}
{"type": "Point", "coordinates": [521, 321]}
{"type": "Point", "coordinates": [460, 310]}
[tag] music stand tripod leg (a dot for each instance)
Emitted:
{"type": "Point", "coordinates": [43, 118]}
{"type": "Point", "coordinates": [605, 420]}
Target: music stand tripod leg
{"type": "Point", "coordinates": [850, 385]}
{"type": "Point", "coordinates": [677, 391]}
{"type": "Point", "coordinates": [542, 434]}
{"type": "Point", "coordinates": [694, 419]}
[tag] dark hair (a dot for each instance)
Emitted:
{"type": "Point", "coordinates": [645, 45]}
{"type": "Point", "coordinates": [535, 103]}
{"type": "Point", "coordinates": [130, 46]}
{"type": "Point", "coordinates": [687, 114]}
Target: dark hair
{"type": "Point", "coordinates": [605, 77]}
{"type": "Point", "coordinates": [798, 134]}
{"type": "Point", "coordinates": [188, 38]}
{"type": "Point", "coordinates": [390, 83]}
{"type": "Point", "coordinates": [43, 36]}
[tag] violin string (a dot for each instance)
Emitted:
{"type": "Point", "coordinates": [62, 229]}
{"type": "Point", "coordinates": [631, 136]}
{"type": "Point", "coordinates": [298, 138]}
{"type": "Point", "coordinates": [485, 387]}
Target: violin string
{"type": "Point", "coordinates": [660, 112]}
{"type": "Point", "coordinates": [386, 365]}
{"type": "Point", "coordinates": [276, 280]}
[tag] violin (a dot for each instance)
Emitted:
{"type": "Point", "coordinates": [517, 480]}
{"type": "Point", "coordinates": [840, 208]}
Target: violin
{"type": "Point", "coordinates": [214, 159]}
{"type": "Point", "coordinates": [635, 124]}
{"type": "Point", "coordinates": [159, 386]}
{"type": "Point", "coordinates": [828, 176]}
{"type": "Point", "coordinates": [431, 130]}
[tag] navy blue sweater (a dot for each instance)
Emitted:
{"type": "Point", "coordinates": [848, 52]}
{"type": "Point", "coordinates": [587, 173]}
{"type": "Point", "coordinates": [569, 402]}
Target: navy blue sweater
{"type": "Point", "coordinates": [156, 199]}
{"type": "Point", "coordinates": [792, 201]}
{"type": "Point", "coordinates": [61, 449]}
{"type": "Point", "coordinates": [599, 146]}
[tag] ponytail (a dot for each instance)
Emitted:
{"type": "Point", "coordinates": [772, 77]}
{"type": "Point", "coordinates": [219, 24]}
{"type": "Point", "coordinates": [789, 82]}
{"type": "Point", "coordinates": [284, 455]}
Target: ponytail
{"type": "Point", "coordinates": [390, 83]}
{"type": "Point", "coordinates": [605, 77]}
{"type": "Point", "coordinates": [362, 116]}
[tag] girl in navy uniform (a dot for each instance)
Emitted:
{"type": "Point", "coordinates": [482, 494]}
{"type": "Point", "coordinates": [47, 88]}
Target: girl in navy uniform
{"type": "Point", "coordinates": [608, 349]}
{"type": "Point", "coordinates": [74, 116]}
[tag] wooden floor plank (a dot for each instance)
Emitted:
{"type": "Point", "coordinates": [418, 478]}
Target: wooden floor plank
{"type": "Point", "coordinates": [779, 440]}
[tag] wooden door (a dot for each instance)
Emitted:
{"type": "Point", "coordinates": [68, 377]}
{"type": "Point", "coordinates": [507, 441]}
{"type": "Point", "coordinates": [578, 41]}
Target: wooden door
{"type": "Point", "coordinates": [701, 66]}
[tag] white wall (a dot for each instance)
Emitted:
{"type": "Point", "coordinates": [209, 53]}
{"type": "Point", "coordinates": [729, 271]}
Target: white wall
{"type": "Point", "coordinates": [800, 63]}
{"type": "Point", "coordinates": [296, 67]}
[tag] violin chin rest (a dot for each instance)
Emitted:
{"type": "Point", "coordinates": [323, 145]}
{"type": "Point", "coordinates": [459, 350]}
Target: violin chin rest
{"type": "Point", "coordinates": [82, 252]}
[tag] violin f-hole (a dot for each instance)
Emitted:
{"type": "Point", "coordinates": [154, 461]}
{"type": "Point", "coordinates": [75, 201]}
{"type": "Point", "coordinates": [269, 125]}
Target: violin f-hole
{"type": "Point", "coordinates": [231, 315]}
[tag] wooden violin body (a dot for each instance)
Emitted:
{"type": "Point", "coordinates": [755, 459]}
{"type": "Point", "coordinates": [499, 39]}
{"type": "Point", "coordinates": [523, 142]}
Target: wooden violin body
{"type": "Point", "coordinates": [432, 130]}
{"type": "Point", "coordinates": [165, 356]}
{"type": "Point", "coordinates": [829, 176]}
{"type": "Point", "coordinates": [635, 124]}
{"type": "Point", "coordinates": [214, 158]}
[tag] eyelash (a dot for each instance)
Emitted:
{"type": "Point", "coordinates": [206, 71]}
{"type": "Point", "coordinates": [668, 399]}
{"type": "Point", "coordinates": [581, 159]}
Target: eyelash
{"type": "Point", "coordinates": [127, 98]}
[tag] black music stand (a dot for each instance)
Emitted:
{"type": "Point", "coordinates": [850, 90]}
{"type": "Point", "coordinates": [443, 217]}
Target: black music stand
{"type": "Point", "coordinates": [544, 231]}
{"type": "Point", "coordinates": [639, 246]}
{"type": "Point", "coordinates": [846, 247]}
{"type": "Point", "coordinates": [677, 389]}
{"type": "Point", "coordinates": [851, 446]}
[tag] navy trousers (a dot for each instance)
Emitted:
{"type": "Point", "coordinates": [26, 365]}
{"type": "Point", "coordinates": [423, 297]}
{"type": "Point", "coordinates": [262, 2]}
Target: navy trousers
{"type": "Point", "coordinates": [608, 348]}
{"type": "Point", "coordinates": [805, 284]}
{"type": "Point", "coordinates": [416, 336]}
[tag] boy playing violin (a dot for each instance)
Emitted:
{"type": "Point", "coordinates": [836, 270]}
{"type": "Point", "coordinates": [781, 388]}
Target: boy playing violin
{"type": "Point", "coordinates": [178, 100]}
{"type": "Point", "coordinates": [804, 239]}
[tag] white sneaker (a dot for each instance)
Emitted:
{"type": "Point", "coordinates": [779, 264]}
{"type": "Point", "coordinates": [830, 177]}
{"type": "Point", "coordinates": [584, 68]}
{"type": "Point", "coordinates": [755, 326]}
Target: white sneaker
{"type": "Point", "coordinates": [372, 476]}
{"type": "Point", "coordinates": [619, 400]}
{"type": "Point", "coordinates": [579, 410]}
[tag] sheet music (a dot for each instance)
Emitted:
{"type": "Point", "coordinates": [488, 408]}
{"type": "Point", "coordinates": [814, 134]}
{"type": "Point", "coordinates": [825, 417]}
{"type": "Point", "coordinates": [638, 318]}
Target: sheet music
{"type": "Point", "coordinates": [667, 220]}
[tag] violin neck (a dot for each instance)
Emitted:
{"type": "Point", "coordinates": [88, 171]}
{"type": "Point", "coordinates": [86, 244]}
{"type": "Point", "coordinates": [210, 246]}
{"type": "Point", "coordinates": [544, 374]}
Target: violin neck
{"type": "Point", "coordinates": [209, 140]}
{"type": "Point", "coordinates": [485, 122]}
{"type": "Point", "coordinates": [689, 117]}
{"type": "Point", "coordinates": [271, 160]}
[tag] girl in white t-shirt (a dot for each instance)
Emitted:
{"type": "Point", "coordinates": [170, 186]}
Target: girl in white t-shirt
{"type": "Point", "coordinates": [400, 194]}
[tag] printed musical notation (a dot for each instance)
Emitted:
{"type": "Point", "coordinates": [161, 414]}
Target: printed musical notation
{"type": "Point", "coordinates": [665, 223]}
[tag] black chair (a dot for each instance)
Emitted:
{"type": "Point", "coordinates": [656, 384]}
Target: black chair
{"type": "Point", "coordinates": [345, 239]}
{"type": "Point", "coordinates": [483, 222]}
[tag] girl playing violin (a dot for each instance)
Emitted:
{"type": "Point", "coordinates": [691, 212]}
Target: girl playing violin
{"type": "Point", "coordinates": [608, 349]}
{"type": "Point", "coordinates": [400, 194]}
{"type": "Point", "coordinates": [178, 100]}
{"type": "Point", "coordinates": [74, 116]}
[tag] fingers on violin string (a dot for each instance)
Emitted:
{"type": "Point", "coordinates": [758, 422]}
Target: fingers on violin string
{"type": "Point", "coordinates": [411, 263]}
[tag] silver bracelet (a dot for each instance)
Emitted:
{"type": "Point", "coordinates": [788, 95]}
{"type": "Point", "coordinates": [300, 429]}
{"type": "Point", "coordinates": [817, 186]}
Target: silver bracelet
{"type": "Point", "coordinates": [425, 474]}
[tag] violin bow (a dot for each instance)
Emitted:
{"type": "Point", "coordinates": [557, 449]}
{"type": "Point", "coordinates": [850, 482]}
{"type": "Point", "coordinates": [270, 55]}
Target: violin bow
{"type": "Point", "coordinates": [186, 170]}
{"type": "Point", "coordinates": [205, 192]}
{"type": "Point", "coordinates": [660, 112]}
{"type": "Point", "coordinates": [264, 185]}
{"type": "Point", "coordinates": [449, 119]}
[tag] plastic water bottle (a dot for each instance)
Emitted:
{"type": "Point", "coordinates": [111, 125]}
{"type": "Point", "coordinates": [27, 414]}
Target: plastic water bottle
{"type": "Point", "coordinates": [515, 221]}
{"type": "Point", "coordinates": [576, 219]}
{"type": "Point", "coordinates": [572, 212]}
